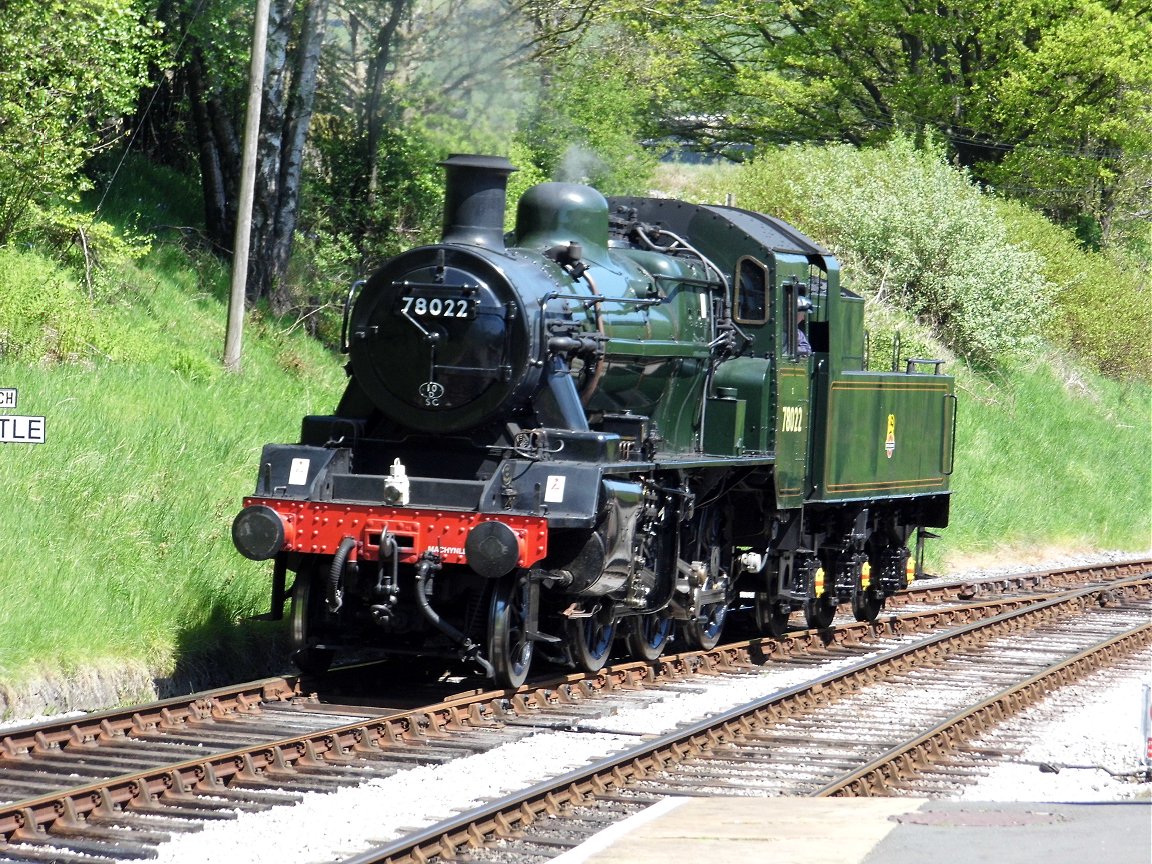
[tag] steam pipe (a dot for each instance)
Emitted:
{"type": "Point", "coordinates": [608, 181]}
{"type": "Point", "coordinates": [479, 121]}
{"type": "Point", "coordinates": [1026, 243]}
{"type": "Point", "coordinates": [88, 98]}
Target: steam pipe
{"type": "Point", "coordinates": [335, 594]}
{"type": "Point", "coordinates": [470, 648]}
{"type": "Point", "coordinates": [563, 390]}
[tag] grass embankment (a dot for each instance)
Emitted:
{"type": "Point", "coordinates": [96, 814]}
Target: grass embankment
{"type": "Point", "coordinates": [114, 534]}
{"type": "Point", "coordinates": [1049, 459]}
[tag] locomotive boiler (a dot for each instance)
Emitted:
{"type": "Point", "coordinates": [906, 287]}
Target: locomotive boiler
{"type": "Point", "coordinates": [600, 431]}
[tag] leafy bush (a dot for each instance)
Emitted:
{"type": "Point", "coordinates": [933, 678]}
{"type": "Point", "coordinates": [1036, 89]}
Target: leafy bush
{"type": "Point", "coordinates": [42, 314]}
{"type": "Point", "coordinates": [527, 175]}
{"type": "Point", "coordinates": [894, 336]}
{"type": "Point", "coordinates": [92, 249]}
{"type": "Point", "coordinates": [916, 233]}
{"type": "Point", "coordinates": [67, 68]}
{"type": "Point", "coordinates": [1103, 309]}
{"type": "Point", "coordinates": [704, 183]}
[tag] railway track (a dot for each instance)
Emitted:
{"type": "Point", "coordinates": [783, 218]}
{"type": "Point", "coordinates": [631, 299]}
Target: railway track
{"type": "Point", "coordinates": [838, 735]}
{"type": "Point", "coordinates": [938, 590]}
{"type": "Point", "coordinates": [117, 785]}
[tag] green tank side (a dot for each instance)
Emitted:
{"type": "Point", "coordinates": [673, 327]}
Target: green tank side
{"type": "Point", "coordinates": [883, 434]}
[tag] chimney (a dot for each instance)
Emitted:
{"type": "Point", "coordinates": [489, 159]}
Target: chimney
{"type": "Point", "coordinates": [474, 199]}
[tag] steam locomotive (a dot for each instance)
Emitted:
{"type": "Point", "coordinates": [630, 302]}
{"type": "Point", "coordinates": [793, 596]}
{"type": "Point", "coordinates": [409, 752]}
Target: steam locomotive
{"type": "Point", "coordinates": [604, 430]}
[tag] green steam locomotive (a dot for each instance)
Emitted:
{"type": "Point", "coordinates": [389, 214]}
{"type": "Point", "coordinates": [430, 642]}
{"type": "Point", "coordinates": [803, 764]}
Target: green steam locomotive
{"type": "Point", "coordinates": [621, 424]}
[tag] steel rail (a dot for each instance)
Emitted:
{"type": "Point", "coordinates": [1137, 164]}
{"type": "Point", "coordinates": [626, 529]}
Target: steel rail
{"type": "Point", "coordinates": [209, 703]}
{"type": "Point", "coordinates": [503, 817]}
{"type": "Point", "coordinates": [477, 707]}
{"type": "Point", "coordinates": [245, 697]}
{"type": "Point", "coordinates": [904, 762]}
{"type": "Point", "coordinates": [945, 589]}
{"type": "Point", "coordinates": [176, 782]}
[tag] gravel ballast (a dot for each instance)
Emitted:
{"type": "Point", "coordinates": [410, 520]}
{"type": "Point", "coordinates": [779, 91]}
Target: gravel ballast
{"type": "Point", "coordinates": [1095, 723]}
{"type": "Point", "coordinates": [1083, 725]}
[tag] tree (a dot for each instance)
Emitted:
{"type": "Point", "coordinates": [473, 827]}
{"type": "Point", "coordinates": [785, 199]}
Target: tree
{"type": "Point", "coordinates": [289, 94]}
{"type": "Point", "coordinates": [592, 114]}
{"type": "Point", "coordinates": [561, 82]}
{"type": "Point", "coordinates": [461, 71]}
{"type": "Point", "coordinates": [359, 67]}
{"type": "Point", "coordinates": [210, 53]}
{"type": "Point", "coordinates": [1052, 98]}
{"type": "Point", "coordinates": [70, 73]}
{"type": "Point", "coordinates": [392, 83]}
{"type": "Point", "coordinates": [477, 67]}
{"type": "Point", "coordinates": [406, 82]}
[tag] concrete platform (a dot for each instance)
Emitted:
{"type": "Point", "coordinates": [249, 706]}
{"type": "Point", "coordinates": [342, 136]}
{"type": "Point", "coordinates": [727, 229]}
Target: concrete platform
{"type": "Point", "coordinates": [874, 831]}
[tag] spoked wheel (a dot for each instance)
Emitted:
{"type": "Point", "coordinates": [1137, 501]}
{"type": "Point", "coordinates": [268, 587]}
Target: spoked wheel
{"type": "Point", "coordinates": [866, 604]}
{"type": "Point", "coordinates": [649, 634]}
{"type": "Point", "coordinates": [819, 612]}
{"type": "Point", "coordinates": [307, 608]}
{"type": "Point", "coordinates": [591, 638]}
{"type": "Point", "coordinates": [771, 618]}
{"type": "Point", "coordinates": [704, 632]}
{"type": "Point", "coordinates": [509, 647]}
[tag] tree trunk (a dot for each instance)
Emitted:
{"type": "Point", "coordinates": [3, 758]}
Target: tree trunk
{"type": "Point", "coordinates": [300, 104]}
{"type": "Point", "coordinates": [289, 94]}
{"type": "Point", "coordinates": [372, 120]}
{"type": "Point", "coordinates": [216, 193]}
{"type": "Point", "coordinates": [261, 279]}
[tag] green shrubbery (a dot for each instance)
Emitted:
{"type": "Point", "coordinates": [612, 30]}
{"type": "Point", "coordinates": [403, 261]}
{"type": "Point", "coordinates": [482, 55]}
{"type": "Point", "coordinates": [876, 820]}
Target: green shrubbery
{"type": "Point", "coordinates": [379, 220]}
{"type": "Point", "coordinates": [67, 69]}
{"type": "Point", "coordinates": [913, 232]}
{"type": "Point", "coordinates": [943, 263]}
{"type": "Point", "coordinates": [1103, 300]}
{"type": "Point", "coordinates": [42, 314]}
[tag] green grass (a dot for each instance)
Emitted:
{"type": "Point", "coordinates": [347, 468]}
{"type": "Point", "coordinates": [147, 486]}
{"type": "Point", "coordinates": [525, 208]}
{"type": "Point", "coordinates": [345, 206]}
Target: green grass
{"type": "Point", "coordinates": [115, 532]}
{"type": "Point", "coordinates": [1051, 456]}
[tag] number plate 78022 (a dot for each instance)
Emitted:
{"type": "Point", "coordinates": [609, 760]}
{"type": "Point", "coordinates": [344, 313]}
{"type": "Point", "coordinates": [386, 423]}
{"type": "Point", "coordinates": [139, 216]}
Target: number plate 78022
{"type": "Point", "coordinates": [424, 306]}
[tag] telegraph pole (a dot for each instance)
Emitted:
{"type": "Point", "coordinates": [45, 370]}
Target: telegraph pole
{"type": "Point", "coordinates": [243, 240]}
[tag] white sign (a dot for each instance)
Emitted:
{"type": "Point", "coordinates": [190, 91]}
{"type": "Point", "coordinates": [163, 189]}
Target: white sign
{"type": "Point", "coordinates": [554, 490]}
{"type": "Point", "coordinates": [7, 398]}
{"type": "Point", "coordinates": [298, 474]}
{"type": "Point", "coordinates": [21, 430]}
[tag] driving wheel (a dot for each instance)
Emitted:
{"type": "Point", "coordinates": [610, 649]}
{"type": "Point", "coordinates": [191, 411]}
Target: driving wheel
{"type": "Point", "coordinates": [591, 637]}
{"type": "Point", "coordinates": [509, 647]}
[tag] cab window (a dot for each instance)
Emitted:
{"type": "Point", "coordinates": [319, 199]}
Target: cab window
{"type": "Point", "coordinates": [751, 292]}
